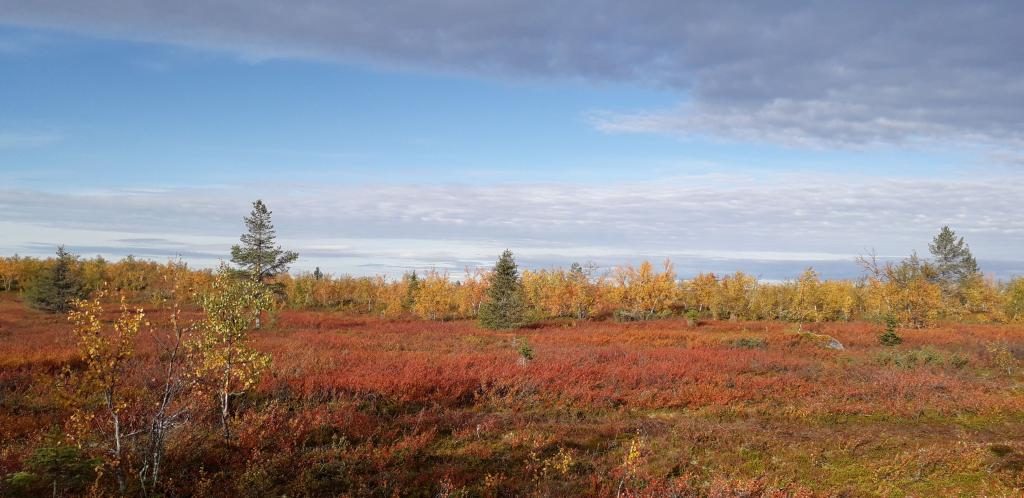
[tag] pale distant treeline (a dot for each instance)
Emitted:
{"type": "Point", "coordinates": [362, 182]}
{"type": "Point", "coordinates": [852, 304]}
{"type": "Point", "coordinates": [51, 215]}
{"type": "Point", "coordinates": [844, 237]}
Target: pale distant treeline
{"type": "Point", "coordinates": [911, 292]}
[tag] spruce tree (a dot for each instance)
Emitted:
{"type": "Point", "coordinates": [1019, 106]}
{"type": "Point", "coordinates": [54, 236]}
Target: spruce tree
{"type": "Point", "coordinates": [953, 260]}
{"type": "Point", "coordinates": [890, 337]}
{"type": "Point", "coordinates": [505, 305]}
{"type": "Point", "coordinates": [57, 287]}
{"type": "Point", "coordinates": [257, 256]}
{"type": "Point", "coordinates": [317, 274]}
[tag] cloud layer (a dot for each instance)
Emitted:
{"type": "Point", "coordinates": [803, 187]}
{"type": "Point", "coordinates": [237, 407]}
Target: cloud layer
{"type": "Point", "coordinates": [704, 218]}
{"type": "Point", "coordinates": [818, 74]}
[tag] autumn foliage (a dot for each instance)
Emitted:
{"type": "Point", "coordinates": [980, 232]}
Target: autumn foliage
{"type": "Point", "coordinates": [356, 405]}
{"type": "Point", "coordinates": [626, 293]}
{"type": "Point", "coordinates": [160, 384]}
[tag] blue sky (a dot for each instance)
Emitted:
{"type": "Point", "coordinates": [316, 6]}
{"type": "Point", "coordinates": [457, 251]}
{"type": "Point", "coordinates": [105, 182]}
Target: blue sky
{"type": "Point", "coordinates": [403, 139]}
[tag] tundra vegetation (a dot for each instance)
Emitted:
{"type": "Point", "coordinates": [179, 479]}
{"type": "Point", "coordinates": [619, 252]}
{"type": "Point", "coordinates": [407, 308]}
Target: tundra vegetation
{"type": "Point", "coordinates": [139, 378]}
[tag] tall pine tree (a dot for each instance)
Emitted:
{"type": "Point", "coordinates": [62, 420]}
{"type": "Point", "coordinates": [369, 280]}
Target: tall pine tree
{"type": "Point", "coordinates": [55, 288]}
{"type": "Point", "coordinates": [953, 260]}
{"type": "Point", "coordinates": [505, 306]}
{"type": "Point", "coordinates": [257, 256]}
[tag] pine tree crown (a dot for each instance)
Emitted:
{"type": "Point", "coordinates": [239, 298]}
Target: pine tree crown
{"type": "Point", "coordinates": [953, 259]}
{"type": "Point", "coordinates": [257, 255]}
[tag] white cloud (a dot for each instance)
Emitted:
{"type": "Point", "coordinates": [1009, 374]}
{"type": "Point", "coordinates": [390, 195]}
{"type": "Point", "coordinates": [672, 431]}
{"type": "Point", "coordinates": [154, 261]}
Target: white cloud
{"type": "Point", "coordinates": [797, 218]}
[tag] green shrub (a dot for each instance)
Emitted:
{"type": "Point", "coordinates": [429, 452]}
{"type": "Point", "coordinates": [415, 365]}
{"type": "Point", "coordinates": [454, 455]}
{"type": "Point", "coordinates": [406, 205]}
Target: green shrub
{"type": "Point", "coordinates": [691, 318]}
{"type": "Point", "coordinates": [55, 289]}
{"type": "Point", "coordinates": [958, 360]}
{"type": "Point", "coordinates": [524, 349]}
{"type": "Point", "coordinates": [56, 469]}
{"type": "Point", "coordinates": [890, 337]}
{"type": "Point", "coordinates": [750, 343]}
{"type": "Point", "coordinates": [505, 305]}
{"type": "Point", "coordinates": [922, 357]}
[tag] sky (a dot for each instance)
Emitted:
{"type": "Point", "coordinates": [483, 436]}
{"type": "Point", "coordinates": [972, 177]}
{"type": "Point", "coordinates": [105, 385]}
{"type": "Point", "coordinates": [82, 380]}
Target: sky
{"type": "Point", "coordinates": [390, 136]}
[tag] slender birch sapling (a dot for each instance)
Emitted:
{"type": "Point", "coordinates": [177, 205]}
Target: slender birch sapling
{"type": "Point", "coordinates": [227, 364]}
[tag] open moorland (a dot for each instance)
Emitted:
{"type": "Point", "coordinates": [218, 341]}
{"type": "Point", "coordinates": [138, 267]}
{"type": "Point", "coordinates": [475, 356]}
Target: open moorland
{"type": "Point", "coordinates": [353, 405]}
{"type": "Point", "coordinates": [682, 249]}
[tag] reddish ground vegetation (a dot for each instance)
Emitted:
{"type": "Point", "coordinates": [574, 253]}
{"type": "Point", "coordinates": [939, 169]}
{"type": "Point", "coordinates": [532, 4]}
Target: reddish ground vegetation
{"type": "Point", "coordinates": [360, 406]}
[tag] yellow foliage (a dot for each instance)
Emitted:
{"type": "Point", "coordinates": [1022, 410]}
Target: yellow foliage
{"type": "Point", "coordinates": [642, 291]}
{"type": "Point", "coordinates": [8, 274]}
{"type": "Point", "coordinates": [702, 294]}
{"type": "Point", "coordinates": [907, 291]}
{"type": "Point", "coordinates": [226, 363]}
{"type": "Point", "coordinates": [916, 303]}
{"type": "Point", "coordinates": [106, 353]}
{"type": "Point", "coordinates": [437, 297]}
{"type": "Point", "coordinates": [560, 293]}
{"type": "Point", "coordinates": [979, 300]}
{"type": "Point", "coordinates": [736, 292]}
{"type": "Point", "coordinates": [470, 292]}
{"type": "Point", "coordinates": [1014, 305]}
{"type": "Point", "coordinates": [838, 301]}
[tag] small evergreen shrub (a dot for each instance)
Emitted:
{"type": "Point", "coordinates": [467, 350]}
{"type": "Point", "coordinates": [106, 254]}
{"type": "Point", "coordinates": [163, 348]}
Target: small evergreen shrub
{"type": "Point", "coordinates": [57, 287]}
{"type": "Point", "coordinates": [505, 305]}
{"type": "Point", "coordinates": [524, 350]}
{"type": "Point", "coordinates": [691, 318]}
{"type": "Point", "coordinates": [890, 337]}
{"type": "Point", "coordinates": [54, 469]}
